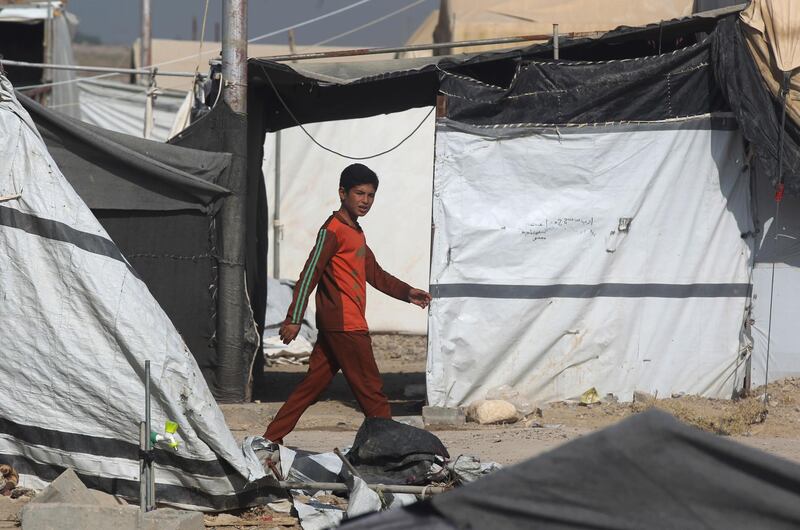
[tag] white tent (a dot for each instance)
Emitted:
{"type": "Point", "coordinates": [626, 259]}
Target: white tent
{"type": "Point", "coordinates": [398, 227]}
{"type": "Point", "coordinates": [77, 325]}
{"type": "Point", "coordinates": [595, 257]}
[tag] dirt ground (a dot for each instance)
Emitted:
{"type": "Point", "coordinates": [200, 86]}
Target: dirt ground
{"type": "Point", "coordinates": [333, 421]}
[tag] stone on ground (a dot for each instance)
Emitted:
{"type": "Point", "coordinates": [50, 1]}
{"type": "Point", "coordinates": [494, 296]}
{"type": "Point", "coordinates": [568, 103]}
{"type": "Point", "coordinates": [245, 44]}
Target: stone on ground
{"type": "Point", "coordinates": [491, 411]}
{"type": "Point", "coordinates": [67, 488]}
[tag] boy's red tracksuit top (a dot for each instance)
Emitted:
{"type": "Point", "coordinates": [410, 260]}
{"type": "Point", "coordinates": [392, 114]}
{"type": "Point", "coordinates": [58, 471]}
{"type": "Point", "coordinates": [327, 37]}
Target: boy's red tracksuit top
{"type": "Point", "coordinates": [342, 264]}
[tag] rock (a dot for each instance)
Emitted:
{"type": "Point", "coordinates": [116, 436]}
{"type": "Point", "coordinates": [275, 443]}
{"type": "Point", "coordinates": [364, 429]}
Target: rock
{"type": "Point", "coordinates": [55, 516]}
{"type": "Point", "coordinates": [492, 411]}
{"type": "Point", "coordinates": [66, 488]}
{"type": "Point", "coordinates": [443, 416]}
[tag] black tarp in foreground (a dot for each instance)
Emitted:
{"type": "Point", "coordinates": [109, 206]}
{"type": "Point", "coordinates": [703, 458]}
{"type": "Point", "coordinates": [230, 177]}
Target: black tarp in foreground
{"type": "Point", "coordinates": [649, 471]}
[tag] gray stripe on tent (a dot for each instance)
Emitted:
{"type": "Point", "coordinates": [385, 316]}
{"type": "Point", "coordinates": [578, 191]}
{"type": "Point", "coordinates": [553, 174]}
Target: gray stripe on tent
{"type": "Point", "coordinates": [59, 231]}
{"type": "Point", "coordinates": [69, 442]}
{"type": "Point", "coordinates": [714, 122]}
{"type": "Point", "coordinates": [606, 290]}
{"type": "Point", "coordinates": [259, 492]}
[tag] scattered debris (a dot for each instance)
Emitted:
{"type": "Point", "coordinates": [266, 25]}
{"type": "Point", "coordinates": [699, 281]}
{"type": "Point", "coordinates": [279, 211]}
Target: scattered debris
{"type": "Point", "coordinates": [590, 397]}
{"type": "Point", "coordinates": [10, 479]}
{"type": "Point", "coordinates": [468, 468]}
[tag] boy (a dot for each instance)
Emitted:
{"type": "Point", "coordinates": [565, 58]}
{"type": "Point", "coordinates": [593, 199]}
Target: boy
{"type": "Point", "coordinates": [341, 263]}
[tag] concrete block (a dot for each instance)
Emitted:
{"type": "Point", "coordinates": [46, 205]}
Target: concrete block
{"type": "Point", "coordinates": [443, 416]}
{"type": "Point", "coordinates": [57, 516]}
{"type": "Point", "coordinates": [67, 487]}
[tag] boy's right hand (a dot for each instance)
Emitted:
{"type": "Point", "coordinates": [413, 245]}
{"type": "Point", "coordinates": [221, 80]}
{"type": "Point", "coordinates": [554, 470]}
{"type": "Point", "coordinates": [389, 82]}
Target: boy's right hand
{"type": "Point", "coordinates": [288, 332]}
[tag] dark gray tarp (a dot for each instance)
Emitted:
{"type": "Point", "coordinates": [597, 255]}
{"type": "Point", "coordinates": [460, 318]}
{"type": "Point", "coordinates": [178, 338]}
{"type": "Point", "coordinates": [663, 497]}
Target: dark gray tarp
{"type": "Point", "coordinates": [114, 171]}
{"type": "Point", "coordinates": [649, 471]}
{"type": "Point", "coordinates": [756, 109]}
{"type": "Point", "coordinates": [316, 92]}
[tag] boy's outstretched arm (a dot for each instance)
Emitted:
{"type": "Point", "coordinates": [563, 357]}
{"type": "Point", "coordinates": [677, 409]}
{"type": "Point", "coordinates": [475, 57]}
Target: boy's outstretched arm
{"type": "Point", "coordinates": [324, 249]}
{"type": "Point", "coordinates": [388, 284]}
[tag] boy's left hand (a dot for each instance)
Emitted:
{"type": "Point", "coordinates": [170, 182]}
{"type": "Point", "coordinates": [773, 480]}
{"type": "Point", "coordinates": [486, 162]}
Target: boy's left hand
{"type": "Point", "coordinates": [419, 297]}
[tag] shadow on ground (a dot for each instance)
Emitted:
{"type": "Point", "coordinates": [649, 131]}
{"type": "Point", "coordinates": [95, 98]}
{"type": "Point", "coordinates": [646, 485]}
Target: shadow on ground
{"type": "Point", "coordinates": [275, 386]}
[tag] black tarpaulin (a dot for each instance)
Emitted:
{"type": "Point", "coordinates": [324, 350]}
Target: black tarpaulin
{"type": "Point", "coordinates": [654, 88]}
{"type": "Point", "coordinates": [649, 471]}
{"type": "Point", "coordinates": [317, 92]}
{"type": "Point", "coordinates": [114, 171]}
{"type": "Point", "coordinates": [757, 111]}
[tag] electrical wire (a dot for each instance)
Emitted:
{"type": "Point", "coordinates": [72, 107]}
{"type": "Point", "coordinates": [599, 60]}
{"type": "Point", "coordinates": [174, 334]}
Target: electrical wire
{"type": "Point", "coordinates": [172, 61]}
{"type": "Point", "coordinates": [370, 23]}
{"type": "Point", "coordinates": [311, 137]}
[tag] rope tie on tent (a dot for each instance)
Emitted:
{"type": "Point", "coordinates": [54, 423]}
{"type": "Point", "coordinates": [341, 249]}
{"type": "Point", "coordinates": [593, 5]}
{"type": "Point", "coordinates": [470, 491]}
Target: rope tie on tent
{"type": "Point", "coordinates": [349, 157]}
{"type": "Point", "coordinates": [779, 192]}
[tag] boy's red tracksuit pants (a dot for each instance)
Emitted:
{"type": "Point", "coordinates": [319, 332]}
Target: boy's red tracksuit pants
{"type": "Point", "coordinates": [352, 353]}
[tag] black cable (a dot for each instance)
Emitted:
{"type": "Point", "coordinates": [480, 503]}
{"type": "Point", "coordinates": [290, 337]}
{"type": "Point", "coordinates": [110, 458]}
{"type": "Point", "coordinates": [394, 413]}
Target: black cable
{"type": "Point", "coordinates": [297, 122]}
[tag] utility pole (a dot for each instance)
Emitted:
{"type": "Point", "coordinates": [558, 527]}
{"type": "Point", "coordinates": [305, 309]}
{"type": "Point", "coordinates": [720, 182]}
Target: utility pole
{"type": "Point", "coordinates": [147, 35]}
{"type": "Point", "coordinates": [233, 311]}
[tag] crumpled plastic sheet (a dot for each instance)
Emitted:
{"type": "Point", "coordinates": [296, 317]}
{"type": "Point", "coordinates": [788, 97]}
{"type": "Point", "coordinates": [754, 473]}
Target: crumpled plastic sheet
{"type": "Point", "coordinates": [468, 468]}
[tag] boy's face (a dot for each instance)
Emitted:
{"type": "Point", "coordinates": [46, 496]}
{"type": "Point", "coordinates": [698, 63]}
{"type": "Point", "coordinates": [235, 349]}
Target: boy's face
{"type": "Point", "coordinates": [358, 199]}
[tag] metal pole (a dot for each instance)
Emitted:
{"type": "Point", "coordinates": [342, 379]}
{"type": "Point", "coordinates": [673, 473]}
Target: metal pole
{"type": "Point", "coordinates": [232, 376]}
{"type": "Point", "coordinates": [277, 229]}
{"type": "Point", "coordinates": [419, 47]}
{"type": "Point", "coordinates": [555, 42]}
{"type": "Point", "coordinates": [147, 441]}
{"type": "Point", "coordinates": [146, 53]}
{"type": "Point", "coordinates": [144, 480]}
{"type": "Point", "coordinates": [234, 54]}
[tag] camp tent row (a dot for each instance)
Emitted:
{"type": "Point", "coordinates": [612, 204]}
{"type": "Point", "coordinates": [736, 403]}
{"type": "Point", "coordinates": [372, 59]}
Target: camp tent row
{"type": "Point", "coordinates": [601, 221]}
{"type": "Point", "coordinates": [628, 266]}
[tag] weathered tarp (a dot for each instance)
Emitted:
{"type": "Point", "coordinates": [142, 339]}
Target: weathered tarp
{"type": "Point", "coordinates": [649, 471]}
{"type": "Point", "coordinates": [77, 324]}
{"type": "Point", "coordinates": [608, 256]}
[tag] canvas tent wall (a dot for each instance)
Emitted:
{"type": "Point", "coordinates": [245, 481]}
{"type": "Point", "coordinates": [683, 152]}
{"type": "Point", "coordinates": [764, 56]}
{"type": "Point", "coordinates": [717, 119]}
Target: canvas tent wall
{"type": "Point", "coordinates": [160, 203]}
{"type": "Point", "coordinates": [78, 324]}
{"type": "Point", "coordinates": [719, 81]}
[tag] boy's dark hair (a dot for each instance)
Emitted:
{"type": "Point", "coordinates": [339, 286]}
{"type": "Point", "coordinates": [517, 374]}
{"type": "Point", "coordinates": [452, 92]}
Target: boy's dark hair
{"type": "Point", "coordinates": [356, 174]}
